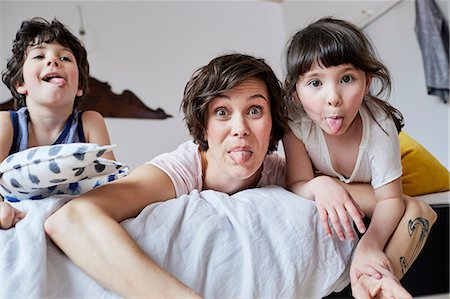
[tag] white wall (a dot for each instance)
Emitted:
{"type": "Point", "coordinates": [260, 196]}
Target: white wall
{"type": "Point", "coordinates": [152, 48]}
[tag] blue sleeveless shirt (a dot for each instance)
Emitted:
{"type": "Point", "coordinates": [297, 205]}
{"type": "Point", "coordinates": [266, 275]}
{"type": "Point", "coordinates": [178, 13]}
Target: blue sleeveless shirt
{"type": "Point", "coordinates": [72, 132]}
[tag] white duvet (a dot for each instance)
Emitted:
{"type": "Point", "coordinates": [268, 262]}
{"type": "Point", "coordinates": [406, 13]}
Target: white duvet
{"type": "Point", "coordinates": [258, 243]}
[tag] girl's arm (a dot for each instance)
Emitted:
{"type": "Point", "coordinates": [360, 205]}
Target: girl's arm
{"type": "Point", "coordinates": [87, 229]}
{"type": "Point", "coordinates": [333, 202]}
{"type": "Point", "coordinates": [95, 131]}
{"type": "Point", "coordinates": [369, 255]}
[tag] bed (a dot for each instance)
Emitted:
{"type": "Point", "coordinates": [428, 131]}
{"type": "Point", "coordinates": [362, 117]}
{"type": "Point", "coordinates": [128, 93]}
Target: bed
{"type": "Point", "coordinates": [263, 242]}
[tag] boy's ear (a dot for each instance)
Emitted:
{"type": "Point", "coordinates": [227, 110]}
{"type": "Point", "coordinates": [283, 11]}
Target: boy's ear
{"type": "Point", "coordinates": [21, 88]}
{"type": "Point", "coordinates": [295, 96]}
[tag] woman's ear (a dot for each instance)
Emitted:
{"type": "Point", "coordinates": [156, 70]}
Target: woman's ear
{"type": "Point", "coordinates": [79, 92]}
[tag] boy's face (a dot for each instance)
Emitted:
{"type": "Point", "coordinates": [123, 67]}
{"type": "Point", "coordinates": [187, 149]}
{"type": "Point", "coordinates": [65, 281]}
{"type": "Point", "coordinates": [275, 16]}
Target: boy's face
{"type": "Point", "coordinates": [50, 75]}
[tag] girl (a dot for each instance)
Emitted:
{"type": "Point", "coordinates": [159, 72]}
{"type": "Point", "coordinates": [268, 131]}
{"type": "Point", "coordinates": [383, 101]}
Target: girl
{"type": "Point", "coordinates": [334, 81]}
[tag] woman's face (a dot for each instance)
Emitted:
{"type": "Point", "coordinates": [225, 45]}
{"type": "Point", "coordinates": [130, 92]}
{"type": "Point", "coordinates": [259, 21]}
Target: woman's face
{"type": "Point", "coordinates": [238, 132]}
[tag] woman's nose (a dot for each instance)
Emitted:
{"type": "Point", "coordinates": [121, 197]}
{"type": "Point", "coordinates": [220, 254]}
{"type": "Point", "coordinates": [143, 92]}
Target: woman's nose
{"type": "Point", "coordinates": [240, 127]}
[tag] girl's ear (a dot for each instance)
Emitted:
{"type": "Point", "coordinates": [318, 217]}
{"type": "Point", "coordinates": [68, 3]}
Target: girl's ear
{"type": "Point", "coordinates": [368, 82]}
{"type": "Point", "coordinates": [21, 88]}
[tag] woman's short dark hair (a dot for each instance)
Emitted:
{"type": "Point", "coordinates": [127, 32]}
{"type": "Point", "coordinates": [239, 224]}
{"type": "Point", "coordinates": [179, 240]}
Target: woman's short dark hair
{"type": "Point", "coordinates": [37, 31]}
{"type": "Point", "coordinates": [220, 75]}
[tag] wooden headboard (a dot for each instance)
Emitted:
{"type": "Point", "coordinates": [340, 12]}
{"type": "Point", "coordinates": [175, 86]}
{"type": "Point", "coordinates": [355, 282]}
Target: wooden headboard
{"type": "Point", "coordinates": [100, 98]}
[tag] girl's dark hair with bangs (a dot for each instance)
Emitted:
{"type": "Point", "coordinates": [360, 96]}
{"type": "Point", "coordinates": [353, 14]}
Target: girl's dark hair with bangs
{"type": "Point", "coordinates": [331, 42]}
{"type": "Point", "coordinates": [34, 32]}
{"type": "Point", "coordinates": [220, 75]}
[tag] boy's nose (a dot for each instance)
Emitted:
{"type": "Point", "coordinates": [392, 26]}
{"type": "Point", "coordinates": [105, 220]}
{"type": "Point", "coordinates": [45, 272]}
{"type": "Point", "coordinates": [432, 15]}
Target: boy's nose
{"type": "Point", "coordinates": [52, 61]}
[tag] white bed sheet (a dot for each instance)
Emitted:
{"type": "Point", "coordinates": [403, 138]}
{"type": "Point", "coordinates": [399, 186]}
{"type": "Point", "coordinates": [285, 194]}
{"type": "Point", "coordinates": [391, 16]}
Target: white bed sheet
{"type": "Point", "coordinates": [436, 198]}
{"type": "Point", "coordinates": [259, 243]}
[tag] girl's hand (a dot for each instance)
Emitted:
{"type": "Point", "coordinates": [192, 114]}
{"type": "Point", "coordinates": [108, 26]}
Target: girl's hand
{"type": "Point", "coordinates": [9, 216]}
{"type": "Point", "coordinates": [369, 260]}
{"type": "Point", "coordinates": [368, 287]}
{"type": "Point", "coordinates": [334, 205]}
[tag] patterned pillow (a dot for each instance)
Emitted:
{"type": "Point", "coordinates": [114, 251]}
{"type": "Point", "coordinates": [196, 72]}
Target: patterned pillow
{"type": "Point", "coordinates": [43, 171]}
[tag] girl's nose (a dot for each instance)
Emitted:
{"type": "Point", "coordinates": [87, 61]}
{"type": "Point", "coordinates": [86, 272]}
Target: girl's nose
{"type": "Point", "coordinates": [334, 98]}
{"type": "Point", "coordinates": [240, 127]}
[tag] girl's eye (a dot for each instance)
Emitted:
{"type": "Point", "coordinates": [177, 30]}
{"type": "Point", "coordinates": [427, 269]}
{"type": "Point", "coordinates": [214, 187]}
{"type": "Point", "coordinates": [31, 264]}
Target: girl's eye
{"type": "Point", "coordinates": [38, 56]}
{"type": "Point", "coordinates": [314, 83]}
{"type": "Point", "coordinates": [221, 112]}
{"type": "Point", "coordinates": [255, 111]}
{"type": "Point", "coordinates": [347, 79]}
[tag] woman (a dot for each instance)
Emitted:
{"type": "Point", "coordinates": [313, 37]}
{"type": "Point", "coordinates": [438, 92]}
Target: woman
{"type": "Point", "coordinates": [234, 110]}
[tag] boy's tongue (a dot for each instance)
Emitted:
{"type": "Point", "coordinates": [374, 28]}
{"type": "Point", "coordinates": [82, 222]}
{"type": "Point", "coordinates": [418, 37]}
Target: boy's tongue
{"type": "Point", "coordinates": [334, 123]}
{"type": "Point", "coordinates": [57, 81]}
{"type": "Point", "coordinates": [240, 156]}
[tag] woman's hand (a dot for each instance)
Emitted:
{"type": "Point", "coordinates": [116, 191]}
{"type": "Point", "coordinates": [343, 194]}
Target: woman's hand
{"type": "Point", "coordinates": [9, 215]}
{"type": "Point", "coordinates": [334, 205]}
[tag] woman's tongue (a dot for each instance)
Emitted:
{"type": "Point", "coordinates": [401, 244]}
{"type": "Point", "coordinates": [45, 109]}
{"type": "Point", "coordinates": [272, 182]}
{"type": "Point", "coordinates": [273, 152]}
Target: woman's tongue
{"type": "Point", "coordinates": [240, 156]}
{"type": "Point", "coordinates": [335, 123]}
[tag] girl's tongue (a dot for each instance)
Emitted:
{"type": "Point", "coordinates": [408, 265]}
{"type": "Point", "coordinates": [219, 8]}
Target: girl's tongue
{"type": "Point", "coordinates": [240, 157]}
{"type": "Point", "coordinates": [335, 123]}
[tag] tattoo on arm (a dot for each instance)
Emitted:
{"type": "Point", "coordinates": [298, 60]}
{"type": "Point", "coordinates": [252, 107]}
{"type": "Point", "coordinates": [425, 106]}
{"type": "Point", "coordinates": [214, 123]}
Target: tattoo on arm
{"type": "Point", "coordinates": [418, 223]}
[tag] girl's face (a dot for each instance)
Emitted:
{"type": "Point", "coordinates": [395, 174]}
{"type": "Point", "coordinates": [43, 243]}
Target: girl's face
{"type": "Point", "coordinates": [332, 96]}
{"type": "Point", "coordinates": [50, 75]}
{"type": "Point", "coordinates": [238, 131]}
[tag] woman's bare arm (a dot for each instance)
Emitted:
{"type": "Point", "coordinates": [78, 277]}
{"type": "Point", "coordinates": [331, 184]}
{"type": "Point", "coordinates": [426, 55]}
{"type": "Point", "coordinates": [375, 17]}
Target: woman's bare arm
{"type": "Point", "coordinates": [87, 229]}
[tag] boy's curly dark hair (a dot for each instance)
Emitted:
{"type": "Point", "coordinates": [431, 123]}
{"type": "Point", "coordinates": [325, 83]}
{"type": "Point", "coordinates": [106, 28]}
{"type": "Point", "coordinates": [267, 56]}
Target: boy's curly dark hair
{"type": "Point", "coordinates": [222, 74]}
{"type": "Point", "coordinates": [34, 32]}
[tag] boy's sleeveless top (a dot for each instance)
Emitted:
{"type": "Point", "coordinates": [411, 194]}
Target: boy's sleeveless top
{"type": "Point", "coordinates": [72, 132]}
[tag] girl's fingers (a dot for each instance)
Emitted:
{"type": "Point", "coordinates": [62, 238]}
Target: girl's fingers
{"type": "Point", "coordinates": [354, 212]}
{"type": "Point", "coordinates": [334, 219]}
{"type": "Point", "coordinates": [345, 222]}
{"type": "Point", "coordinates": [324, 219]}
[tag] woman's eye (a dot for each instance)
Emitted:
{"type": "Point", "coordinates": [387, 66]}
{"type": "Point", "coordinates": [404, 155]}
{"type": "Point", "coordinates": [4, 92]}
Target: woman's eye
{"type": "Point", "coordinates": [221, 112]}
{"type": "Point", "coordinates": [347, 79]}
{"type": "Point", "coordinates": [255, 111]}
{"type": "Point", "coordinates": [314, 83]}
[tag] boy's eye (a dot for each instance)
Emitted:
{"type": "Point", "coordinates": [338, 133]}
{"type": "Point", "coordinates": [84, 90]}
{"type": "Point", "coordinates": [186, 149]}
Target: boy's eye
{"type": "Point", "coordinates": [65, 58]}
{"type": "Point", "coordinates": [255, 111]}
{"type": "Point", "coordinates": [347, 79]}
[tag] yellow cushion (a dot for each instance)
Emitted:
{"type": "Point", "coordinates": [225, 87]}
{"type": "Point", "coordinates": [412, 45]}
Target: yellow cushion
{"type": "Point", "coordinates": [422, 173]}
